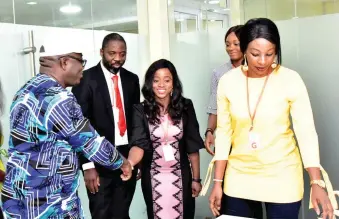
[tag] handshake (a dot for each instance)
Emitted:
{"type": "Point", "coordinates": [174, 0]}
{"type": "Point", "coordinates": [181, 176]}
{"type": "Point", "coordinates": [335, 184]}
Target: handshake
{"type": "Point", "coordinates": [126, 169]}
{"type": "Point", "coordinates": [92, 180]}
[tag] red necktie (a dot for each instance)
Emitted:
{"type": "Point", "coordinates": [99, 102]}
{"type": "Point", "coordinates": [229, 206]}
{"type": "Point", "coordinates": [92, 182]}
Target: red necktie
{"type": "Point", "coordinates": [118, 103]}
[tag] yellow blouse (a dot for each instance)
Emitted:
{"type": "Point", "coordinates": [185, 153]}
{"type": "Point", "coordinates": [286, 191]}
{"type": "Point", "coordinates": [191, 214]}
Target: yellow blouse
{"type": "Point", "coordinates": [272, 172]}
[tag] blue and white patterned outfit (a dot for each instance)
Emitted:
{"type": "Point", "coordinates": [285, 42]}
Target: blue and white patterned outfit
{"type": "Point", "coordinates": [47, 129]}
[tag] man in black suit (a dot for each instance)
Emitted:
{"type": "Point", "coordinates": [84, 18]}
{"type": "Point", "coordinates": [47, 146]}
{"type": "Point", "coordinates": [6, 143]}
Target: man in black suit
{"type": "Point", "coordinates": [107, 93]}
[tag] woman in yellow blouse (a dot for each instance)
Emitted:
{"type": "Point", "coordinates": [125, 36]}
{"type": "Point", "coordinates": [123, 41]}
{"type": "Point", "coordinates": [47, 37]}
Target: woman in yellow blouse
{"type": "Point", "coordinates": [254, 102]}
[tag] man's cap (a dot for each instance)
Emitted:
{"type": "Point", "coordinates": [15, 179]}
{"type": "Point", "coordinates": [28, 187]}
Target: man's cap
{"type": "Point", "coordinates": [57, 49]}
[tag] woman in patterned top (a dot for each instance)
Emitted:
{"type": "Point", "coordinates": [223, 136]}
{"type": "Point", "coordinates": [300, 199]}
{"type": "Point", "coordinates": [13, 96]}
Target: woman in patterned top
{"type": "Point", "coordinates": [232, 43]}
{"type": "Point", "coordinates": [165, 136]}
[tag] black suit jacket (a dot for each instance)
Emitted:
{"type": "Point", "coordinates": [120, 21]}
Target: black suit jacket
{"type": "Point", "coordinates": [93, 96]}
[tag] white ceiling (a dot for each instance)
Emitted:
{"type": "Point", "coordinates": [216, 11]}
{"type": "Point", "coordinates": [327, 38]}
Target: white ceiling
{"type": "Point", "coordinates": [115, 15]}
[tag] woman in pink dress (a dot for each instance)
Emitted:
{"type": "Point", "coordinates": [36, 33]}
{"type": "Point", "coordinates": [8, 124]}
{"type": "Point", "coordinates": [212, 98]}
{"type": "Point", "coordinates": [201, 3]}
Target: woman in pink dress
{"type": "Point", "coordinates": [166, 138]}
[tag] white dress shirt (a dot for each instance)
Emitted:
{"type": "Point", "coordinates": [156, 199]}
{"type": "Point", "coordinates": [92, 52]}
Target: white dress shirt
{"type": "Point", "coordinates": [119, 140]}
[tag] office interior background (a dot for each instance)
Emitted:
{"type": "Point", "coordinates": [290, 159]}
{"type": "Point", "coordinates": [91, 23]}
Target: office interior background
{"type": "Point", "coordinates": [191, 34]}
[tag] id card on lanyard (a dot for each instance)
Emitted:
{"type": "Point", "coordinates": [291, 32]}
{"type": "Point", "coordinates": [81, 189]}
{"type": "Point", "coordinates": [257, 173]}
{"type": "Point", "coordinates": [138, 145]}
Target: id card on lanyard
{"type": "Point", "coordinates": [253, 137]}
{"type": "Point", "coordinates": [167, 147]}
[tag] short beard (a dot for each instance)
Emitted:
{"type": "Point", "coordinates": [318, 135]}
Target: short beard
{"type": "Point", "coordinates": [110, 68]}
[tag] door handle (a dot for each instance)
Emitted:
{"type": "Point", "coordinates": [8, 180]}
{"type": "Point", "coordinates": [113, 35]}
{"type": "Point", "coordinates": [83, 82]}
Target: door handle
{"type": "Point", "coordinates": [30, 50]}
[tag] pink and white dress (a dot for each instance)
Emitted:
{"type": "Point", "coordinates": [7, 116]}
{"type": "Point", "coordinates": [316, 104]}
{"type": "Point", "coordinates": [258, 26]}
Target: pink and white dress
{"type": "Point", "coordinates": [167, 183]}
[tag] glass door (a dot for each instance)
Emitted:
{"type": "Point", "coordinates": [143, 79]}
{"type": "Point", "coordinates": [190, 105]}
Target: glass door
{"type": "Point", "coordinates": [16, 67]}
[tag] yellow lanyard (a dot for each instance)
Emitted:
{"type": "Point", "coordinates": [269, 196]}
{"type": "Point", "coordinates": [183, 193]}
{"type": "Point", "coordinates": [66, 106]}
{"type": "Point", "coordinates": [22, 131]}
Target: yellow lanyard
{"type": "Point", "coordinates": [258, 101]}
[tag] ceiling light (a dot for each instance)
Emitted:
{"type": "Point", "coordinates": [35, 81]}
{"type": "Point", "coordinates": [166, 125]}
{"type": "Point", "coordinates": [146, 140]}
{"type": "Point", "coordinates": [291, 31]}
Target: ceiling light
{"type": "Point", "coordinates": [212, 20]}
{"type": "Point", "coordinates": [180, 19]}
{"type": "Point", "coordinates": [31, 3]}
{"type": "Point", "coordinates": [226, 9]}
{"type": "Point", "coordinates": [70, 9]}
{"type": "Point", "coordinates": [213, 2]}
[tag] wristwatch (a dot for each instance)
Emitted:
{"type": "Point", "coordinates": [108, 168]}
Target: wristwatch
{"type": "Point", "coordinates": [320, 183]}
{"type": "Point", "coordinates": [208, 130]}
{"type": "Point", "coordinates": [196, 180]}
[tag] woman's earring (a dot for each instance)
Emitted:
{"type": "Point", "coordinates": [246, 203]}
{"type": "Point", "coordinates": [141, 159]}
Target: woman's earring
{"type": "Point", "coordinates": [171, 93]}
{"type": "Point", "coordinates": [274, 64]}
{"type": "Point", "coordinates": [245, 66]}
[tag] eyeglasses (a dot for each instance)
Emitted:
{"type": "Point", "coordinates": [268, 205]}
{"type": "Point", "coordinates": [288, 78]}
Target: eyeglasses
{"type": "Point", "coordinates": [82, 61]}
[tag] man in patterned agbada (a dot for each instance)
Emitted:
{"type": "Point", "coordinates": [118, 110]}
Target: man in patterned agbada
{"type": "Point", "coordinates": [47, 129]}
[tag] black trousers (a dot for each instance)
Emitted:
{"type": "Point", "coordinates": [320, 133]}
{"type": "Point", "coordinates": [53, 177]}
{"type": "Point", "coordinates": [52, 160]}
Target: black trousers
{"type": "Point", "coordinates": [114, 197]}
{"type": "Point", "coordinates": [253, 209]}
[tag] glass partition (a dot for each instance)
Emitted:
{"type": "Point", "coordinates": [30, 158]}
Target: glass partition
{"type": "Point", "coordinates": [185, 22]}
{"type": "Point", "coordinates": [280, 10]}
{"type": "Point", "coordinates": [309, 46]}
{"type": "Point", "coordinates": [6, 11]}
{"type": "Point", "coordinates": [117, 15]}
{"type": "Point", "coordinates": [53, 13]}
{"type": "Point", "coordinates": [288, 9]}
{"type": "Point", "coordinates": [256, 8]}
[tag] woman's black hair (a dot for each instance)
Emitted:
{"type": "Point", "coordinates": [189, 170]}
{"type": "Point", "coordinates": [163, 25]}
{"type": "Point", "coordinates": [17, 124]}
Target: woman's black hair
{"type": "Point", "coordinates": [260, 28]}
{"type": "Point", "coordinates": [236, 30]}
{"type": "Point", "coordinates": [151, 106]}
